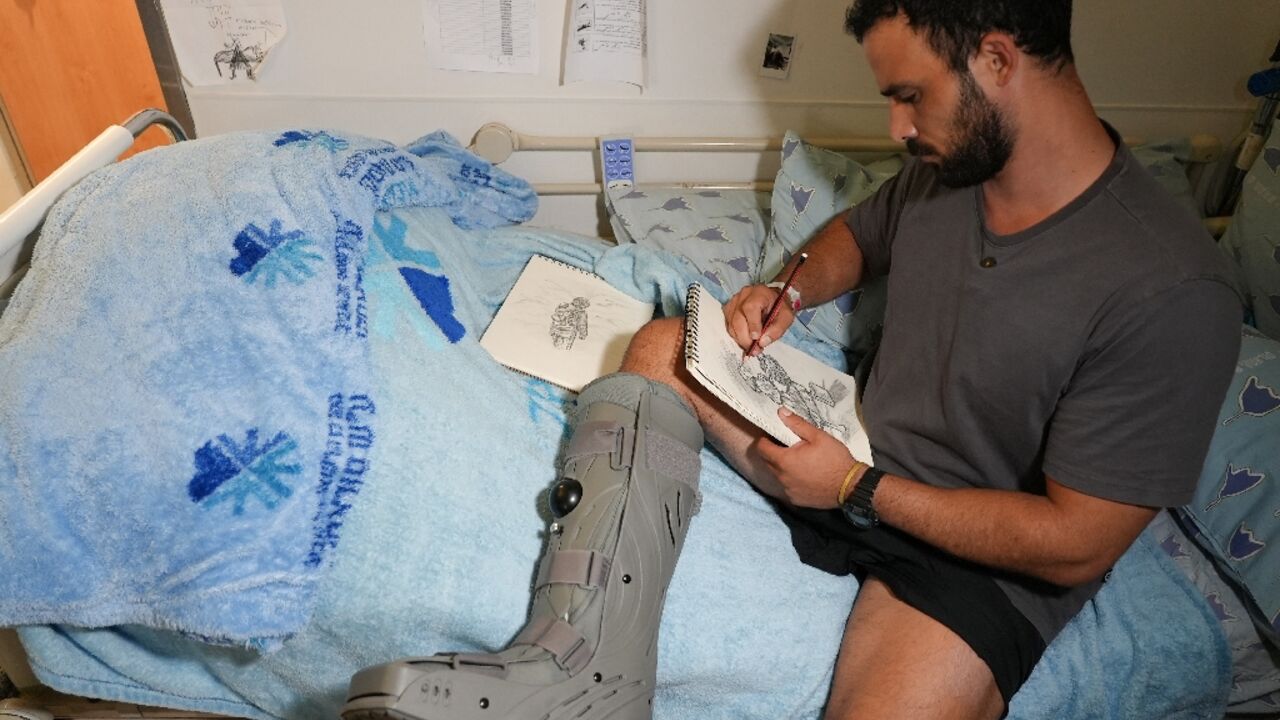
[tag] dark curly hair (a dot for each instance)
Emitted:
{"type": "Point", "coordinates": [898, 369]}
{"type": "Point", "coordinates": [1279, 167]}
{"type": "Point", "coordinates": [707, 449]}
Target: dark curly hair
{"type": "Point", "coordinates": [953, 28]}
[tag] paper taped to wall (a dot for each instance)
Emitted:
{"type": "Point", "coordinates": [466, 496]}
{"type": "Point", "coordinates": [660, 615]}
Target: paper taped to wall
{"type": "Point", "coordinates": [219, 42]}
{"type": "Point", "coordinates": [482, 35]}
{"type": "Point", "coordinates": [606, 41]}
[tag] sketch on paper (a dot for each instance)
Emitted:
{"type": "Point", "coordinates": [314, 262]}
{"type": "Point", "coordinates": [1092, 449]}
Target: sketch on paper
{"type": "Point", "coordinates": [235, 57]}
{"type": "Point", "coordinates": [236, 34]}
{"type": "Point", "coordinates": [563, 324]}
{"type": "Point", "coordinates": [813, 401]}
{"type": "Point", "coordinates": [569, 322]}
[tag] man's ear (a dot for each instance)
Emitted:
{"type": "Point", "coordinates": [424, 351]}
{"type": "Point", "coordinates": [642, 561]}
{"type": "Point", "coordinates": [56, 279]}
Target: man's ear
{"type": "Point", "coordinates": [997, 59]}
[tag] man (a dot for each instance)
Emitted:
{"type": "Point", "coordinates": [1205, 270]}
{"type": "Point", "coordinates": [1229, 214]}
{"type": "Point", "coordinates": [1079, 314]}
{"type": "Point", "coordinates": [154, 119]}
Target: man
{"type": "Point", "coordinates": [1058, 338]}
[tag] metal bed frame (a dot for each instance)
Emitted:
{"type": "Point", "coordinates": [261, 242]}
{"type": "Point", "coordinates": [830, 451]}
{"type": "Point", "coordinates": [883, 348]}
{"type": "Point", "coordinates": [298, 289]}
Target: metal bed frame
{"type": "Point", "coordinates": [495, 142]}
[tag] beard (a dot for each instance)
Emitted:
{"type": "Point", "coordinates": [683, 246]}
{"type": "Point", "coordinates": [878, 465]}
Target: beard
{"type": "Point", "coordinates": [984, 141]}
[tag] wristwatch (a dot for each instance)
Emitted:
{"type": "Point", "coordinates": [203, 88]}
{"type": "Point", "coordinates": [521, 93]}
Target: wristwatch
{"type": "Point", "coordinates": [857, 507]}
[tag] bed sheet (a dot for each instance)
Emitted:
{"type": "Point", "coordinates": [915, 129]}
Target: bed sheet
{"type": "Point", "coordinates": [440, 545]}
{"type": "Point", "coordinates": [442, 559]}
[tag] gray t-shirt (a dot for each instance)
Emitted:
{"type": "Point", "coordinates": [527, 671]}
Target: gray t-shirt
{"type": "Point", "coordinates": [1095, 347]}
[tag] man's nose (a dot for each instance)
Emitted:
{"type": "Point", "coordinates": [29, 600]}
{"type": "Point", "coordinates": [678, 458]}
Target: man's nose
{"type": "Point", "coordinates": [900, 126]}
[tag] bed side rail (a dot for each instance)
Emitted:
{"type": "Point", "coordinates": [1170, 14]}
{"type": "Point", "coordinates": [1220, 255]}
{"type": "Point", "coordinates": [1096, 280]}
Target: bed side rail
{"type": "Point", "coordinates": [23, 217]}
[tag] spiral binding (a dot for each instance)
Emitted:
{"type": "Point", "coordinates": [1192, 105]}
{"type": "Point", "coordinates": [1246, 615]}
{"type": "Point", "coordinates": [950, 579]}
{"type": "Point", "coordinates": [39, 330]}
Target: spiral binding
{"type": "Point", "coordinates": [566, 265]}
{"type": "Point", "coordinates": [691, 322]}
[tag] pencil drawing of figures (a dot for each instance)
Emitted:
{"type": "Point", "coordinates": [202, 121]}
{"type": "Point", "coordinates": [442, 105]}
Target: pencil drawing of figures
{"type": "Point", "coordinates": [569, 322]}
{"type": "Point", "coordinates": [235, 57]}
{"type": "Point", "coordinates": [813, 402]}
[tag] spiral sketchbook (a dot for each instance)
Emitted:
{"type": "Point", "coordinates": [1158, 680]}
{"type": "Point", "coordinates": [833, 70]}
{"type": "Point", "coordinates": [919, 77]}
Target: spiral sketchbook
{"type": "Point", "coordinates": [780, 375]}
{"type": "Point", "coordinates": [563, 324]}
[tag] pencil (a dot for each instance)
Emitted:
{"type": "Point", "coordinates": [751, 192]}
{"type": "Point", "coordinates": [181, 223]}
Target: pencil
{"type": "Point", "coordinates": [777, 302]}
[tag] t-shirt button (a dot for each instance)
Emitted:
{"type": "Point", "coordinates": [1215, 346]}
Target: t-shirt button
{"type": "Point", "coordinates": [988, 262]}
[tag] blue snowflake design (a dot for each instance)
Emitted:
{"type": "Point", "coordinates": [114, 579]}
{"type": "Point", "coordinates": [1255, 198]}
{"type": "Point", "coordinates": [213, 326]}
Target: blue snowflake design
{"type": "Point", "coordinates": [227, 470]}
{"type": "Point", "coordinates": [306, 137]}
{"type": "Point", "coordinates": [272, 254]}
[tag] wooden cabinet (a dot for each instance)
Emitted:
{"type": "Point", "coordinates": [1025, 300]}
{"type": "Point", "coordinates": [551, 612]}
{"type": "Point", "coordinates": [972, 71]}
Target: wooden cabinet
{"type": "Point", "coordinates": [68, 69]}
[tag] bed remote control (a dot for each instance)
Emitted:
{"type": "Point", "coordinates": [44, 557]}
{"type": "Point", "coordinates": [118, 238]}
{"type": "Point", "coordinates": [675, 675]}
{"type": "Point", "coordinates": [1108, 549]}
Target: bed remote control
{"type": "Point", "coordinates": [616, 163]}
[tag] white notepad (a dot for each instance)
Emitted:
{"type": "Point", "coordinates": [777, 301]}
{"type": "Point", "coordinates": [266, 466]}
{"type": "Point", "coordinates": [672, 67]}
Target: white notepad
{"type": "Point", "coordinates": [563, 324]}
{"type": "Point", "coordinates": [781, 375]}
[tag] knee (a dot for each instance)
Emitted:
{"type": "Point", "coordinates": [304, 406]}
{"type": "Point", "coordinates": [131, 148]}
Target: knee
{"type": "Point", "coordinates": [656, 349]}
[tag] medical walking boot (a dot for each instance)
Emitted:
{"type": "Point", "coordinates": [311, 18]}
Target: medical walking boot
{"type": "Point", "coordinates": [624, 498]}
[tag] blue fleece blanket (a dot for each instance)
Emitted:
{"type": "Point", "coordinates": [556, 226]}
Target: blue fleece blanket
{"type": "Point", "coordinates": [439, 552]}
{"type": "Point", "coordinates": [187, 408]}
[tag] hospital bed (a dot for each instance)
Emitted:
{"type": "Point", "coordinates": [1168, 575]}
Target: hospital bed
{"type": "Point", "coordinates": [431, 534]}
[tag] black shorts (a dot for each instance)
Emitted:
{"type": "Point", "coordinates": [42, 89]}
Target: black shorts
{"type": "Point", "coordinates": [960, 595]}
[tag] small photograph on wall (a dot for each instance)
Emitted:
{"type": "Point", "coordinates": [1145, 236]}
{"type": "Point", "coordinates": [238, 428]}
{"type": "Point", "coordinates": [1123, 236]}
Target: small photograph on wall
{"type": "Point", "coordinates": [777, 56]}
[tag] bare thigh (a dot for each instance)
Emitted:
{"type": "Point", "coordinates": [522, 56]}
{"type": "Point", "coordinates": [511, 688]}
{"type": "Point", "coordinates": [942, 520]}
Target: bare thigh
{"type": "Point", "coordinates": [896, 662]}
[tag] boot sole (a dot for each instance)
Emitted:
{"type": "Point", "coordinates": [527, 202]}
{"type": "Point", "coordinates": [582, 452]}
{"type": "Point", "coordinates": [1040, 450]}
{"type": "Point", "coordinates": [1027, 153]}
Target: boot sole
{"type": "Point", "coordinates": [373, 708]}
{"type": "Point", "coordinates": [378, 707]}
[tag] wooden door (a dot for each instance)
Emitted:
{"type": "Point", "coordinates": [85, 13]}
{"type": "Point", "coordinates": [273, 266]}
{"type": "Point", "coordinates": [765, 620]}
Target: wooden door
{"type": "Point", "coordinates": [68, 69]}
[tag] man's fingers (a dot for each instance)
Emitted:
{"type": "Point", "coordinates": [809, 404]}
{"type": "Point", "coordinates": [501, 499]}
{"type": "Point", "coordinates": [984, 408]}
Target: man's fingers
{"type": "Point", "coordinates": [798, 425]}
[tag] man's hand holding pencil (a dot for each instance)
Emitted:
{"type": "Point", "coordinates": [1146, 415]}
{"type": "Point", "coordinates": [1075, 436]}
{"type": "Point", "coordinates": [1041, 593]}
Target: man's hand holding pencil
{"type": "Point", "coordinates": [759, 314]}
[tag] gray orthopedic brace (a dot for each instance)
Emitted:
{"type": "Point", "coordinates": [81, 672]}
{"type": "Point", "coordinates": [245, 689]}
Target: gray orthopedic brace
{"type": "Point", "coordinates": [626, 492]}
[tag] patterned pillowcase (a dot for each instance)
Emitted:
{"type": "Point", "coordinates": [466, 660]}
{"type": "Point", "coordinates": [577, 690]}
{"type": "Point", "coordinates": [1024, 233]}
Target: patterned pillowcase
{"type": "Point", "coordinates": [1252, 239]}
{"type": "Point", "coordinates": [813, 185]}
{"type": "Point", "coordinates": [1234, 513]}
{"type": "Point", "coordinates": [719, 231]}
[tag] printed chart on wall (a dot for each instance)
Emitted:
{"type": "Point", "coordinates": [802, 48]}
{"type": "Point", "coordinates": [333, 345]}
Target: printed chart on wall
{"type": "Point", "coordinates": [222, 42]}
{"type": "Point", "coordinates": [482, 35]}
{"type": "Point", "coordinates": [606, 41]}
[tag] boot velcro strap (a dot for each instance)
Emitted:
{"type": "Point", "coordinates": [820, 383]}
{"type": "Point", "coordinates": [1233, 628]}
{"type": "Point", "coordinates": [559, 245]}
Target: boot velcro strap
{"type": "Point", "coordinates": [601, 437]}
{"type": "Point", "coordinates": [559, 638]}
{"type": "Point", "coordinates": [675, 460]}
{"type": "Point", "coordinates": [587, 568]}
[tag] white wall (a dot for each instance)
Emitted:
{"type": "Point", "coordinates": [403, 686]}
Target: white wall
{"type": "Point", "coordinates": [1154, 68]}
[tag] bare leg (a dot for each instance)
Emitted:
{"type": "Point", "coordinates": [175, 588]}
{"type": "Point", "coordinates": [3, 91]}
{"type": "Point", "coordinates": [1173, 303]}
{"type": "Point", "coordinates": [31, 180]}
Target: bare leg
{"type": "Point", "coordinates": [897, 662]}
{"type": "Point", "coordinates": [657, 352]}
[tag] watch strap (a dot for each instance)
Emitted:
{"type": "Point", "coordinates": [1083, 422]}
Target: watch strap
{"type": "Point", "coordinates": [858, 508]}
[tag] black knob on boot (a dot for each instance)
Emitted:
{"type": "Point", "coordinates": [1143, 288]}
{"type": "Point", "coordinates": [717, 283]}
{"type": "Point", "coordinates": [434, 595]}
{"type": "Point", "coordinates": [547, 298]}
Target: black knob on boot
{"type": "Point", "coordinates": [565, 496]}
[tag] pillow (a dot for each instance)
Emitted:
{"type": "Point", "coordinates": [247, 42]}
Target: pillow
{"type": "Point", "coordinates": [1167, 161]}
{"type": "Point", "coordinates": [1252, 240]}
{"type": "Point", "coordinates": [719, 231]}
{"type": "Point", "coordinates": [813, 185]}
{"type": "Point", "coordinates": [1234, 512]}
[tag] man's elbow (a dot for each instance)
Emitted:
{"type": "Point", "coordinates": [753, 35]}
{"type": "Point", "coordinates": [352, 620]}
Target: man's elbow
{"type": "Point", "coordinates": [1075, 573]}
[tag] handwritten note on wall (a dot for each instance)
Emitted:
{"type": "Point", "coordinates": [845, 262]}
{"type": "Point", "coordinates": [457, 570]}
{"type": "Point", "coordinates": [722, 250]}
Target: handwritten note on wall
{"type": "Point", "coordinates": [606, 41]}
{"type": "Point", "coordinates": [220, 42]}
{"type": "Point", "coordinates": [482, 35]}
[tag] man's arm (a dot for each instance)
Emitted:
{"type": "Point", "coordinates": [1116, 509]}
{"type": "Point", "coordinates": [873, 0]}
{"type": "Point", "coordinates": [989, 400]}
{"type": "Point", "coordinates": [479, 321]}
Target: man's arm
{"type": "Point", "coordinates": [1064, 537]}
{"type": "Point", "coordinates": [834, 267]}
